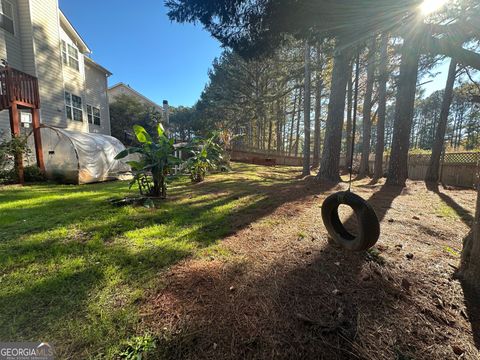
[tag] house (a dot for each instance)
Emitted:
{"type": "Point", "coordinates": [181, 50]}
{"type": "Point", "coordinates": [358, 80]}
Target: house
{"type": "Point", "coordinates": [49, 82]}
{"type": "Point", "coordinates": [41, 46]}
{"type": "Point", "coordinates": [124, 89]}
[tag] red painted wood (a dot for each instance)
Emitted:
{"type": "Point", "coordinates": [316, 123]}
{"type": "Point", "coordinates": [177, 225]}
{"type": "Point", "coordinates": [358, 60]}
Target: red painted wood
{"type": "Point", "coordinates": [15, 128]}
{"type": "Point", "coordinates": [38, 139]}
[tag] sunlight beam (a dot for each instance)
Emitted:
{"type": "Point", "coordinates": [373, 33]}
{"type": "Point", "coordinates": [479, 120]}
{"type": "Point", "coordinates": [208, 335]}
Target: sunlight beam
{"type": "Point", "coordinates": [430, 6]}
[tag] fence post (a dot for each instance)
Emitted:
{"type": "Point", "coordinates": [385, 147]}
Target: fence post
{"type": "Point", "coordinates": [442, 162]}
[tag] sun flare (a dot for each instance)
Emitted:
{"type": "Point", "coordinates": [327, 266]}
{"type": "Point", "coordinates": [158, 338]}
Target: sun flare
{"type": "Point", "coordinates": [430, 6]}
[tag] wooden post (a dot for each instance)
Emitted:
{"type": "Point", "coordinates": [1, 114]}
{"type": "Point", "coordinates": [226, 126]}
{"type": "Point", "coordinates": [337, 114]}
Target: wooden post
{"type": "Point", "coordinates": [442, 163]}
{"type": "Point", "coordinates": [38, 139]}
{"type": "Point", "coordinates": [15, 127]}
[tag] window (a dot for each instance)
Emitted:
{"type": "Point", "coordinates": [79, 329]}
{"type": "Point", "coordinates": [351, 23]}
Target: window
{"type": "Point", "coordinates": [90, 114]}
{"type": "Point", "coordinates": [93, 115]}
{"type": "Point", "coordinates": [70, 55]}
{"type": "Point", "coordinates": [73, 106]}
{"type": "Point", "coordinates": [6, 16]}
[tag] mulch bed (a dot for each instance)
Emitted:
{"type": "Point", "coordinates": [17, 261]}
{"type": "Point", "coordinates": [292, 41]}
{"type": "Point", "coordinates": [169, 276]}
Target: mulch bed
{"type": "Point", "coordinates": [285, 292]}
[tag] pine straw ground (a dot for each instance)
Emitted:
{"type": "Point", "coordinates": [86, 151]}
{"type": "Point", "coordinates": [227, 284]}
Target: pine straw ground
{"type": "Point", "coordinates": [279, 289]}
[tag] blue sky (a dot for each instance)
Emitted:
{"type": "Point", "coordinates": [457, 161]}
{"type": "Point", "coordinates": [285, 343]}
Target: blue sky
{"type": "Point", "coordinates": [141, 47]}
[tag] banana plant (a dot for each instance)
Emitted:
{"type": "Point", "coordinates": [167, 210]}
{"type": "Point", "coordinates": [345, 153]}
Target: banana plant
{"type": "Point", "coordinates": [156, 159]}
{"type": "Point", "coordinates": [206, 155]}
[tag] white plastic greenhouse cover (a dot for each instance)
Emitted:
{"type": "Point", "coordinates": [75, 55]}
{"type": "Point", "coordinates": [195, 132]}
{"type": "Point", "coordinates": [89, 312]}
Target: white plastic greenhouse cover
{"type": "Point", "coordinates": [81, 158]}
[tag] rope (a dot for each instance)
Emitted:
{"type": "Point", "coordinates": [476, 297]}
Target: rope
{"type": "Point", "coordinates": [354, 124]}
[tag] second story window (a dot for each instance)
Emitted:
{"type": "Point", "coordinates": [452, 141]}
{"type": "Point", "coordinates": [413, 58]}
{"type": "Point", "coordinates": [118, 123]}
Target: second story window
{"type": "Point", "coordinates": [93, 115]}
{"type": "Point", "coordinates": [70, 55]}
{"type": "Point", "coordinates": [6, 16]}
{"type": "Point", "coordinates": [73, 107]}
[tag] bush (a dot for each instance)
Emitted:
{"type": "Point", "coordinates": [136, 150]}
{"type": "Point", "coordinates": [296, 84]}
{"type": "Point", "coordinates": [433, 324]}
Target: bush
{"type": "Point", "coordinates": [205, 155]}
{"type": "Point", "coordinates": [8, 149]}
{"type": "Point", "coordinates": [8, 177]}
{"type": "Point", "coordinates": [156, 161]}
{"type": "Point", "coordinates": [34, 174]}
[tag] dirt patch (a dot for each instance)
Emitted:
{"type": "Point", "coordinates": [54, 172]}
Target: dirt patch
{"type": "Point", "coordinates": [287, 292]}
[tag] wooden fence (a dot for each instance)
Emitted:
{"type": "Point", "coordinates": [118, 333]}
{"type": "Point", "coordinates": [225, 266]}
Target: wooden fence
{"type": "Point", "coordinates": [456, 169]}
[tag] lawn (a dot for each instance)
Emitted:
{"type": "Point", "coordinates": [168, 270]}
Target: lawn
{"type": "Point", "coordinates": [74, 269]}
{"type": "Point", "coordinates": [239, 266]}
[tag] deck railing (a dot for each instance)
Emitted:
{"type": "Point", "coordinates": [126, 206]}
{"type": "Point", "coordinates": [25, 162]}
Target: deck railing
{"type": "Point", "coordinates": [17, 86]}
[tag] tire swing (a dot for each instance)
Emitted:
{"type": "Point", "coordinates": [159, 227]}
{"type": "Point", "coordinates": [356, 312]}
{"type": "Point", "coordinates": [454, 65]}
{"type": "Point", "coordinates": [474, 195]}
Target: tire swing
{"type": "Point", "coordinates": [368, 224]}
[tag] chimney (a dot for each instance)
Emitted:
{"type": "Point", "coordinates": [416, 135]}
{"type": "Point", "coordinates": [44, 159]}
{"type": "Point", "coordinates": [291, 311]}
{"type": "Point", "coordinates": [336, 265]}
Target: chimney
{"type": "Point", "coordinates": [166, 112]}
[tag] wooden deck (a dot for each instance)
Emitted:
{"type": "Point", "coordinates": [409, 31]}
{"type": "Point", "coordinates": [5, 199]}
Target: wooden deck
{"type": "Point", "coordinates": [18, 87]}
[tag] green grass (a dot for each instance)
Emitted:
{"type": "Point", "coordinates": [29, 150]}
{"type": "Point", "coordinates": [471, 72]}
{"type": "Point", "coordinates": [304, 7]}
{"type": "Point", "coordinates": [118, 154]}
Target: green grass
{"type": "Point", "coordinates": [74, 268]}
{"type": "Point", "coordinates": [444, 210]}
{"type": "Point", "coordinates": [457, 213]}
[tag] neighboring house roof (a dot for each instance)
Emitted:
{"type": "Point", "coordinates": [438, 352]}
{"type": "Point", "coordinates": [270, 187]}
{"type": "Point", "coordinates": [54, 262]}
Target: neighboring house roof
{"type": "Point", "coordinates": [70, 30]}
{"type": "Point", "coordinates": [96, 65]}
{"type": "Point", "coordinates": [136, 94]}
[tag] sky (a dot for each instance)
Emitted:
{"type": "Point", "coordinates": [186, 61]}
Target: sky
{"type": "Point", "coordinates": [136, 41]}
{"type": "Point", "coordinates": [161, 59]}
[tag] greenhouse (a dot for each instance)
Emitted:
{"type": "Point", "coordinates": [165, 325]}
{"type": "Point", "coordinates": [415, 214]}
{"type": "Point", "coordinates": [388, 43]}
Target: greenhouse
{"type": "Point", "coordinates": [73, 157]}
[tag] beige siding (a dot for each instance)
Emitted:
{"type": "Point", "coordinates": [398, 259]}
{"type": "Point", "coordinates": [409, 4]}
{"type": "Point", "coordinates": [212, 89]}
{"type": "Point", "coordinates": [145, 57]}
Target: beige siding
{"type": "Point", "coordinates": [10, 50]}
{"type": "Point", "coordinates": [10, 44]}
{"type": "Point", "coordinates": [96, 95]}
{"type": "Point", "coordinates": [26, 34]}
{"type": "Point", "coordinates": [74, 82]}
{"type": "Point", "coordinates": [4, 125]}
{"type": "Point", "coordinates": [46, 35]}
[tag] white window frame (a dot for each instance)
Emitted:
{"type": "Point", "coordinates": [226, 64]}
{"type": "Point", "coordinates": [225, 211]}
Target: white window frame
{"type": "Point", "coordinates": [9, 17]}
{"type": "Point", "coordinates": [72, 110]}
{"type": "Point", "coordinates": [92, 118]}
{"type": "Point", "coordinates": [70, 55]}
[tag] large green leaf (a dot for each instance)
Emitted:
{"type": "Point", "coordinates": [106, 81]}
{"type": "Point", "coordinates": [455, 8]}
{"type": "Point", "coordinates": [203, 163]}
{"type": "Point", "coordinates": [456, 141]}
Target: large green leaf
{"type": "Point", "coordinates": [124, 153]}
{"type": "Point", "coordinates": [173, 160]}
{"type": "Point", "coordinates": [160, 130]}
{"type": "Point", "coordinates": [135, 165]}
{"type": "Point", "coordinates": [142, 134]}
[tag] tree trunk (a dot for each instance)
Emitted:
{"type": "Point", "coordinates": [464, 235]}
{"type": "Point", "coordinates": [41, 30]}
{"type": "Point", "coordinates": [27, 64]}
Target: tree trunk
{"type": "Point", "coordinates": [290, 143]}
{"type": "Point", "coordinates": [382, 108]}
{"type": "Point", "coordinates": [437, 148]}
{"type": "Point", "coordinates": [299, 111]}
{"type": "Point", "coordinates": [469, 270]}
{"type": "Point", "coordinates": [329, 164]}
{"type": "Point", "coordinates": [348, 129]}
{"type": "Point", "coordinates": [404, 108]}
{"type": "Point", "coordinates": [318, 109]}
{"type": "Point", "coordinates": [306, 112]}
{"type": "Point", "coordinates": [270, 130]}
{"type": "Point", "coordinates": [279, 126]}
{"type": "Point", "coordinates": [367, 112]}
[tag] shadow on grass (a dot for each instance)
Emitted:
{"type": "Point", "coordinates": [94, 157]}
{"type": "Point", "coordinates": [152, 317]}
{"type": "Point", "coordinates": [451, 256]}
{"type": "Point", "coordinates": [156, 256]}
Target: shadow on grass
{"type": "Point", "coordinates": [305, 307]}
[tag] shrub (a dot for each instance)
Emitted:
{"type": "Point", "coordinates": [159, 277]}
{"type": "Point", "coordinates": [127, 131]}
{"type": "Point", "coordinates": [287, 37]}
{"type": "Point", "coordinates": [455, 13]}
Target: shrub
{"type": "Point", "coordinates": [206, 155]}
{"type": "Point", "coordinates": [156, 161]}
{"type": "Point", "coordinates": [8, 177]}
{"type": "Point", "coordinates": [8, 150]}
{"type": "Point", "coordinates": [11, 147]}
{"type": "Point", "coordinates": [34, 174]}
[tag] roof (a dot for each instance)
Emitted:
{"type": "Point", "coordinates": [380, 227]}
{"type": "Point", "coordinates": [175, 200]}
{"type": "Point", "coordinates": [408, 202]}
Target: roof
{"type": "Point", "coordinates": [136, 93]}
{"type": "Point", "coordinates": [68, 27]}
{"type": "Point", "coordinates": [89, 61]}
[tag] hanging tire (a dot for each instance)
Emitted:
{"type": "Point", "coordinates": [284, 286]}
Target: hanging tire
{"type": "Point", "coordinates": [368, 225]}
